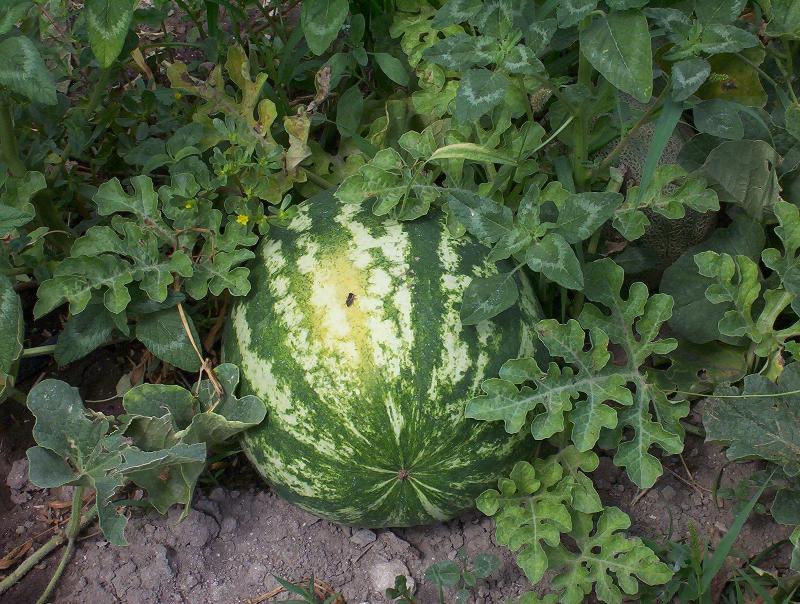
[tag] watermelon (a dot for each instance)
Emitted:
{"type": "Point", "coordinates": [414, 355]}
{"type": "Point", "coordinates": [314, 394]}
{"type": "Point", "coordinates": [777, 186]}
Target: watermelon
{"type": "Point", "coordinates": [351, 335]}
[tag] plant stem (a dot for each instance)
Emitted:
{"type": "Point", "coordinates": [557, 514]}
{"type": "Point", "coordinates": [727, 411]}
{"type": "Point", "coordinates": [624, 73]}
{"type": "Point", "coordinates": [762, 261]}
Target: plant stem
{"type": "Point", "coordinates": [42, 552]}
{"type": "Point", "coordinates": [8, 141]}
{"type": "Point", "coordinates": [692, 429]}
{"type": "Point", "coordinates": [16, 270]}
{"type": "Point", "coordinates": [98, 90]}
{"type": "Point", "coordinates": [185, 8]}
{"type": "Point", "coordinates": [73, 528]}
{"type": "Point", "coordinates": [38, 351]}
{"type": "Point", "coordinates": [581, 151]}
{"type": "Point", "coordinates": [17, 395]}
{"type": "Point", "coordinates": [317, 180]}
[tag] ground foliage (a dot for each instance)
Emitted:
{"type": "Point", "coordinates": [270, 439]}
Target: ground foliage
{"type": "Point", "coordinates": [139, 168]}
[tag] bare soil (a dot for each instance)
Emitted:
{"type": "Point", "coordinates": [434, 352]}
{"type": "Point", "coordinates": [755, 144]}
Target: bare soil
{"type": "Point", "coordinates": [239, 535]}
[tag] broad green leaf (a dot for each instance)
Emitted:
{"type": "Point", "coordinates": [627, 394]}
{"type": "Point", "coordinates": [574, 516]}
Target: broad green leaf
{"type": "Point", "coordinates": [717, 38]}
{"type": "Point", "coordinates": [581, 214]}
{"type": "Point", "coordinates": [154, 271]}
{"type": "Point", "coordinates": [462, 51]}
{"type": "Point", "coordinates": [480, 91]}
{"type": "Point", "coordinates": [417, 31]}
{"type": "Point", "coordinates": [687, 77]}
{"type": "Point", "coordinates": [445, 573]}
{"type": "Point", "coordinates": [12, 328]}
{"type": "Point", "coordinates": [61, 422]}
{"type": "Point", "coordinates": [387, 179]}
{"type": "Point", "coordinates": [484, 565]}
{"type": "Point", "coordinates": [694, 317]}
{"type": "Point", "coordinates": [108, 22]}
{"type": "Point", "coordinates": [23, 71]}
{"type": "Point", "coordinates": [511, 243]}
{"type": "Point", "coordinates": [793, 120]}
{"type": "Point", "coordinates": [12, 12]}
{"type": "Point", "coordinates": [472, 152]}
{"type": "Point", "coordinates": [702, 367]}
{"type": "Point", "coordinates": [618, 46]}
{"type": "Point", "coordinates": [486, 297]}
{"type": "Point", "coordinates": [47, 469]}
{"type": "Point", "coordinates": [420, 145]}
{"type": "Point", "coordinates": [785, 507]}
{"type": "Point", "coordinates": [76, 278]}
{"type": "Point", "coordinates": [719, 12]}
{"type": "Point", "coordinates": [392, 67]}
{"type": "Point", "coordinates": [454, 12]}
{"type": "Point", "coordinates": [532, 508]}
{"type": "Point", "coordinates": [172, 476]}
{"type": "Point", "coordinates": [757, 421]}
{"type": "Point", "coordinates": [17, 210]}
{"type": "Point", "coordinates": [164, 335]}
{"type": "Point", "coordinates": [485, 219]}
{"type": "Point", "coordinates": [785, 19]}
{"type": "Point", "coordinates": [539, 33]}
{"type": "Point", "coordinates": [519, 370]}
{"type": "Point", "coordinates": [348, 111]}
{"type": "Point", "coordinates": [572, 12]}
{"type": "Point", "coordinates": [158, 400]}
{"type": "Point", "coordinates": [321, 21]}
{"type": "Point", "coordinates": [719, 118]}
{"type": "Point", "coordinates": [83, 333]}
{"type": "Point", "coordinates": [555, 259]}
{"type": "Point", "coordinates": [742, 83]}
{"type": "Point", "coordinates": [743, 172]}
{"type": "Point", "coordinates": [224, 415]}
{"type": "Point", "coordinates": [161, 416]}
{"type": "Point", "coordinates": [522, 60]}
{"type": "Point", "coordinates": [68, 440]}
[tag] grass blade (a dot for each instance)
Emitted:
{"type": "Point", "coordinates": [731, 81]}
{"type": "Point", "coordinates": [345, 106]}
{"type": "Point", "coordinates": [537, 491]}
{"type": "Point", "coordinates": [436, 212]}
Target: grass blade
{"type": "Point", "coordinates": [665, 126]}
{"type": "Point", "coordinates": [714, 565]}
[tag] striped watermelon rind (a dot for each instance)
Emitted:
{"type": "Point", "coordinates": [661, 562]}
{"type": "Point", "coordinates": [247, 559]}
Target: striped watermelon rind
{"type": "Point", "coordinates": [351, 335]}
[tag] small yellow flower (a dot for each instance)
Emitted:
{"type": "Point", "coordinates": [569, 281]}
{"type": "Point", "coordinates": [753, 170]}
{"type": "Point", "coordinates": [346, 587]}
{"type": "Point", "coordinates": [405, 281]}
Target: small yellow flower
{"type": "Point", "coordinates": [243, 219]}
{"type": "Point", "coordinates": [178, 96]}
{"type": "Point", "coordinates": [188, 205]}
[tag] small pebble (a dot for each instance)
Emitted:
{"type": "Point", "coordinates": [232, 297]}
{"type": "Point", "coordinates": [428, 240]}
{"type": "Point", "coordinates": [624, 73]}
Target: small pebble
{"type": "Point", "coordinates": [363, 537]}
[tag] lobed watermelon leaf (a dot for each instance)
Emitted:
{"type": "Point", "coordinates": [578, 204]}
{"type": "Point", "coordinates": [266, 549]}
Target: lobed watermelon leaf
{"type": "Point", "coordinates": [552, 497]}
{"type": "Point", "coordinates": [160, 444]}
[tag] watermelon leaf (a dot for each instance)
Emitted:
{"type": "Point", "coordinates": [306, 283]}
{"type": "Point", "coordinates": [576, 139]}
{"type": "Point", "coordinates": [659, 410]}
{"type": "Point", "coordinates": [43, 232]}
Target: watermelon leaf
{"type": "Point", "coordinates": [670, 191]}
{"type": "Point", "coordinates": [736, 282]}
{"type": "Point", "coordinates": [552, 497]}
{"type": "Point", "coordinates": [634, 325]}
{"type": "Point", "coordinates": [108, 22]}
{"type": "Point", "coordinates": [12, 329]}
{"type": "Point", "coordinates": [486, 297]}
{"type": "Point", "coordinates": [606, 560]}
{"type": "Point", "coordinates": [757, 421]}
{"type": "Point", "coordinates": [588, 376]}
{"type": "Point", "coordinates": [154, 445]}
